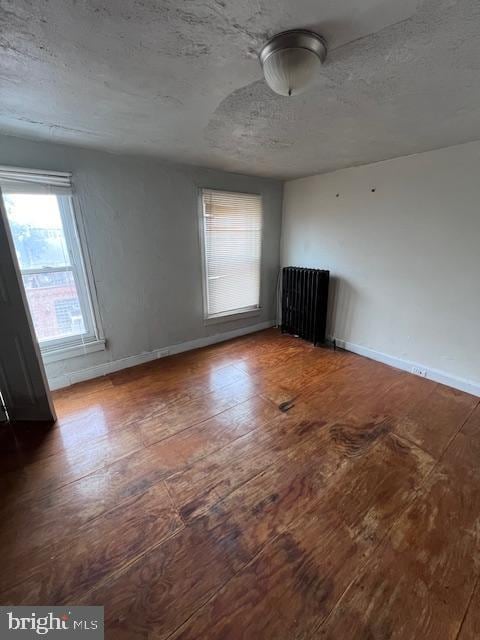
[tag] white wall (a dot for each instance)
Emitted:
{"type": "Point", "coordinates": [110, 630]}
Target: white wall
{"type": "Point", "coordinates": [141, 222]}
{"type": "Point", "coordinates": [405, 259]}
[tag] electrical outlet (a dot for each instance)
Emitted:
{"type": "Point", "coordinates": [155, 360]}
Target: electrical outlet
{"type": "Point", "coordinates": [418, 371]}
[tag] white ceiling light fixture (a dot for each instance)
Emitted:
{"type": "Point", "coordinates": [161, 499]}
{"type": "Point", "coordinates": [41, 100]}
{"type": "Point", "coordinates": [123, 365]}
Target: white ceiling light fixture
{"type": "Point", "coordinates": [291, 59]}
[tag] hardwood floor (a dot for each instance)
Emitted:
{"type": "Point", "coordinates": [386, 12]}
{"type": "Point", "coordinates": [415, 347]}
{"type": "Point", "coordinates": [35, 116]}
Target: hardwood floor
{"type": "Point", "coordinates": [257, 489]}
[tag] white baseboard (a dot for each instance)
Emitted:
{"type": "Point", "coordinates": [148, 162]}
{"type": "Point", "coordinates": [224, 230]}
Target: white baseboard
{"type": "Point", "coordinates": [469, 386]}
{"type": "Point", "coordinates": [67, 379]}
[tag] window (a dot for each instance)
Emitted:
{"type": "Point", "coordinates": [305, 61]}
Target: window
{"type": "Point", "coordinates": [45, 236]}
{"type": "Point", "coordinates": [232, 238]}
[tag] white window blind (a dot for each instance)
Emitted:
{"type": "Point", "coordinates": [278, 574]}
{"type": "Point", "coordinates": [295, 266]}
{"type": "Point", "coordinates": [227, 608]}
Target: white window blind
{"type": "Point", "coordinates": [232, 234]}
{"type": "Point", "coordinates": [19, 180]}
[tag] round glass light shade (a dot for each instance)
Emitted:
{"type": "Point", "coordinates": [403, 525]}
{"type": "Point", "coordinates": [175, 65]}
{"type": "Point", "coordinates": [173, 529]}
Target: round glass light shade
{"type": "Point", "coordinates": [291, 59]}
{"type": "Point", "coordinates": [290, 71]}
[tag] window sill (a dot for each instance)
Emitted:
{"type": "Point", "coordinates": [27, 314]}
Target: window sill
{"type": "Point", "coordinates": [230, 317]}
{"type": "Point", "coordinates": [64, 353]}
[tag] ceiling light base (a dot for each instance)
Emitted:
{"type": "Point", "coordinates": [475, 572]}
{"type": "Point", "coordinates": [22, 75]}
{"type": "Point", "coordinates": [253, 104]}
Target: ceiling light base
{"type": "Point", "coordinates": [295, 39]}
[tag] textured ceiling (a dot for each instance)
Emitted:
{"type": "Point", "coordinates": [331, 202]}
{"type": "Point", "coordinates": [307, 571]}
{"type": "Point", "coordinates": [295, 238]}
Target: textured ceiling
{"type": "Point", "coordinates": [180, 79]}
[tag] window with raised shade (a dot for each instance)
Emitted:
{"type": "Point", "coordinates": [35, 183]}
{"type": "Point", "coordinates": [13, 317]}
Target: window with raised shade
{"type": "Point", "coordinates": [52, 265]}
{"type": "Point", "coordinates": [232, 242]}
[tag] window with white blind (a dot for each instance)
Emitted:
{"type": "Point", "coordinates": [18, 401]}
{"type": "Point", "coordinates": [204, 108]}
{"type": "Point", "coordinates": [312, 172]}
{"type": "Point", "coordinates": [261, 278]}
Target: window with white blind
{"type": "Point", "coordinates": [52, 264]}
{"type": "Point", "coordinates": [232, 243]}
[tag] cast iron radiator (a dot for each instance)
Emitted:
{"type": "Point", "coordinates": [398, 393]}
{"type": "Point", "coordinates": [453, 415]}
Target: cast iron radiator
{"type": "Point", "coordinates": [304, 303]}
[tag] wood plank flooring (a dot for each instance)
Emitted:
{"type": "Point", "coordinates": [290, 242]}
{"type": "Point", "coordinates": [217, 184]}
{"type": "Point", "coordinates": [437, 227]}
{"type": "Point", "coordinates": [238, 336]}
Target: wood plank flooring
{"type": "Point", "coordinates": [256, 489]}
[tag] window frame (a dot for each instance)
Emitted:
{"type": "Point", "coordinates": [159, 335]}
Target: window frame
{"type": "Point", "coordinates": [93, 339]}
{"type": "Point", "coordinates": [233, 314]}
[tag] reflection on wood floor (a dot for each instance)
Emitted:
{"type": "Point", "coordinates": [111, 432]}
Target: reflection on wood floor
{"type": "Point", "coordinates": [260, 488]}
